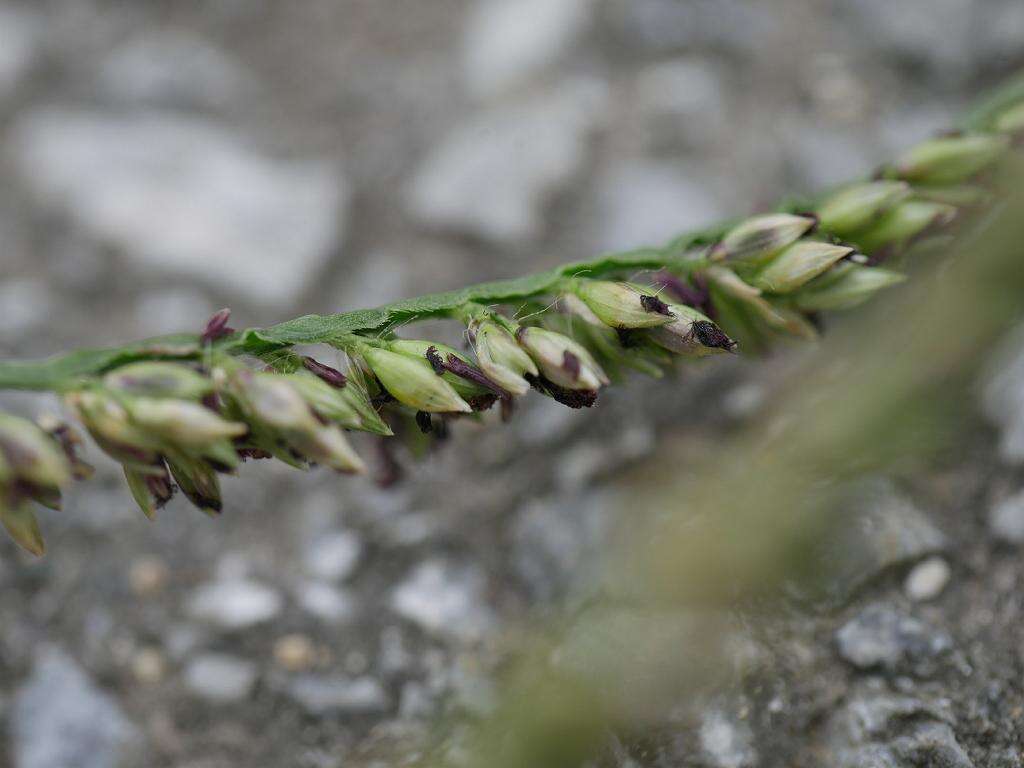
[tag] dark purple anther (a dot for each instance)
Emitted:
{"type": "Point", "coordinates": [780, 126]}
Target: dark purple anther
{"type": "Point", "coordinates": [423, 422]}
{"type": "Point", "coordinates": [654, 304]}
{"type": "Point", "coordinates": [332, 376]}
{"type": "Point", "coordinates": [253, 453]}
{"type": "Point", "coordinates": [464, 370]}
{"type": "Point", "coordinates": [217, 327]}
{"type": "Point", "coordinates": [573, 398]}
{"type": "Point", "coordinates": [434, 358]}
{"type": "Point", "coordinates": [697, 295]}
{"type": "Point", "coordinates": [160, 487]}
{"type": "Point", "coordinates": [710, 335]}
{"type": "Point", "coordinates": [571, 364]}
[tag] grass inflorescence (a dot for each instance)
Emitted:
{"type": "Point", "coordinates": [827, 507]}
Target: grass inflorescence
{"type": "Point", "coordinates": [177, 412]}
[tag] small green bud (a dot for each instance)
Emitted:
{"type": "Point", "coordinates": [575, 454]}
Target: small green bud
{"type": "Point", "coordinates": [957, 195]}
{"type": "Point", "coordinates": [903, 223]}
{"type": "Point", "coordinates": [70, 441]}
{"type": "Point", "coordinates": [621, 305]}
{"type": "Point", "coordinates": [1012, 120]}
{"type": "Point", "coordinates": [328, 446]}
{"type": "Point", "coordinates": [779, 318]}
{"type": "Point", "coordinates": [349, 406]}
{"type": "Point", "coordinates": [439, 356]}
{"type": "Point", "coordinates": [500, 358]}
{"type": "Point", "coordinates": [157, 379]}
{"type": "Point", "coordinates": [757, 239]}
{"type": "Point", "coordinates": [181, 423]}
{"type": "Point", "coordinates": [798, 264]}
{"type": "Point", "coordinates": [197, 481]}
{"type": "Point", "coordinates": [151, 489]}
{"type": "Point", "coordinates": [280, 415]}
{"type": "Point", "coordinates": [31, 454]}
{"type": "Point", "coordinates": [952, 159]}
{"type": "Point", "coordinates": [413, 382]}
{"type": "Point", "coordinates": [852, 285]}
{"type": "Point", "coordinates": [112, 429]}
{"type": "Point", "coordinates": [21, 525]}
{"type": "Point", "coordinates": [561, 360]}
{"type": "Point", "coordinates": [691, 334]}
{"type": "Point", "coordinates": [855, 207]}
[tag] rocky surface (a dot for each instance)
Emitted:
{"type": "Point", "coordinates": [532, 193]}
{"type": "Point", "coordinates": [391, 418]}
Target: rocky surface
{"type": "Point", "coordinates": [160, 160]}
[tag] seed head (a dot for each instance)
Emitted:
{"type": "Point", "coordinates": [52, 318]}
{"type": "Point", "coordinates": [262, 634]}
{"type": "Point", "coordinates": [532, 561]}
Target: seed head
{"type": "Point", "coordinates": [413, 382]}
{"type": "Point", "coordinates": [21, 525]}
{"type": "Point", "coordinates": [159, 379]}
{"type": "Point", "coordinates": [111, 427]}
{"type": "Point", "coordinates": [851, 285]}
{"type": "Point", "coordinates": [197, 481]}
{"type": "Point", "coordinates": [691, 334]}
{"type": "Point", "coordinates": [950, 160]}
{"type": "Point", "coordinates": [855, 207]}
{"type": "Point", "coordinates": [621, 305]}
{"type": "Point", "coordinates": [468, 381]}
{"type": "Point", "coordinates": [349, 408]}
{"type": "Point", "coordinates": [798, 264]}
{"type": "Point", "coordinates": [779, 318]}
{"type": "Point", "coordinates": [500, 358]}
{"type": "Point", "coordinates": [31, 455]}
{"type": "Point", "coordinates": [180, 423]}
{"type": "Point", "coordinates": [561, 360]}
{"type": "Point", "coordinates": [908, 220]}
{"type": "Point", "coordinates": [757, 239]}
{"type": "Point", "coordinates": [151, 489]}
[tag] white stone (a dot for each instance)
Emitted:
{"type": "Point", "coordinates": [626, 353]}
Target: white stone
{"type": "Point", "coordinates": [334, 555]}
{"type": "Point", "coordinates": [324, 695]}
{"type": "Point", "coordinates": [330, 605]}
{"type": "Point", "coordinates": [185, 197]}
{"type": "Point", "coordinates": [509, 42]}
{"type": "Point", "coordinates": [1006, 519]}
{"type": "Point", "coordinates": [234, 604]}
{"type": "Point", "coordinates": [490, 177]}
{"type": "Point", "coordinates": [220, 678]}
{"type": "Point", "coordinates": [444, 599]}
{"type": "Point", "coordinates": [727, 743]}
{"type": "Point", "coordinates": [59, 718]}
{"type": "Point", "coordinates": [927, 579]}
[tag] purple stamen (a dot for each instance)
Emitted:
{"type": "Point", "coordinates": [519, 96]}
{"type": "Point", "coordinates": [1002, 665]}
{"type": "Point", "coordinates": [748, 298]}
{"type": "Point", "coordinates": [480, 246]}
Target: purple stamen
{"type": "Point", "coordinates": [654, 304]}
{"type": "Point", "coordinates": [464, 370]}
{"type": "Point", "coordinates": [332, 376]}
{"type": "Point", "coordinates": [217, 327]}
{"type": "Point", "coordinates": [710, 335]}
{"type": "Point", "coordinates": [434, 358]}
{"type": "Point", "coordinates": [571, 364]}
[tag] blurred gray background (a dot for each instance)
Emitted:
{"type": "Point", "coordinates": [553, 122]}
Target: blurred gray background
{"type": "Point", "coordinates": [160, 160]}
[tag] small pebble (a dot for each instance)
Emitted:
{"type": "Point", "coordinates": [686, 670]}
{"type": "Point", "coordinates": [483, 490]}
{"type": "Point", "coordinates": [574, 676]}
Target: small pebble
{"type": "Point", "coordinates": [1006, 519]}
{"type": "Point", "coordinates": [148, 666]}
{"type": "Point", "coordinates": [295, 653]}
{"type": "Point", "coordinates": [927, 579]}
{"type": "Point", "coordinates": [220, 678]}
{"type": "Point", "coordinates": [147, 576]}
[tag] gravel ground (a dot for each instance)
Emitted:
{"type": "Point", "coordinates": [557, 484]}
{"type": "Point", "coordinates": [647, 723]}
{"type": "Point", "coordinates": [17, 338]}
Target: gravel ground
{"type": "Point", "coordinates": [160, 160]}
